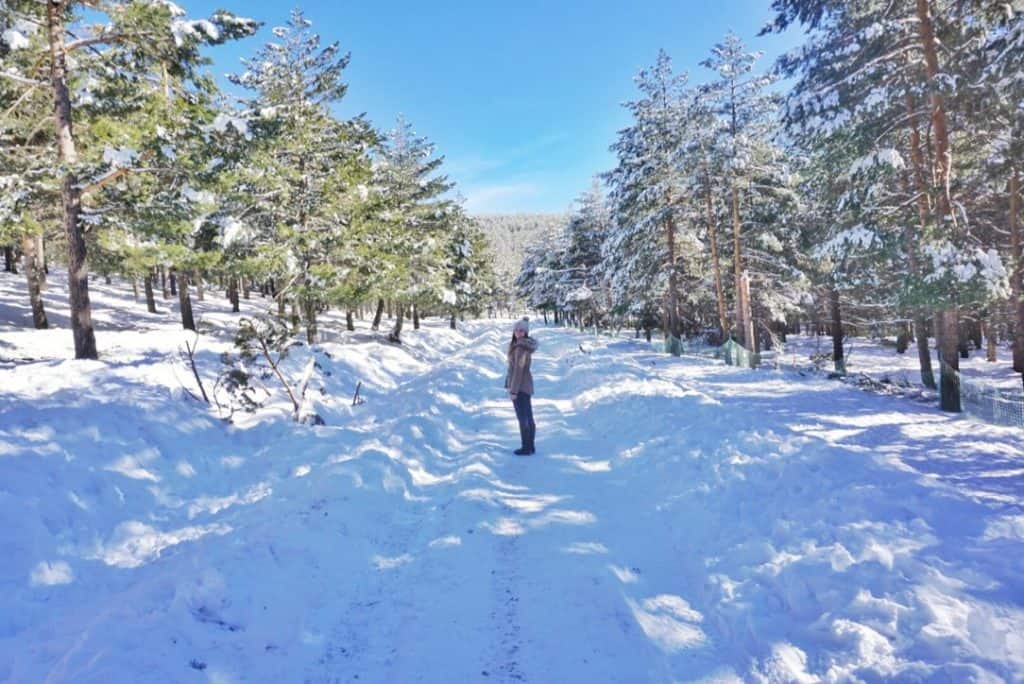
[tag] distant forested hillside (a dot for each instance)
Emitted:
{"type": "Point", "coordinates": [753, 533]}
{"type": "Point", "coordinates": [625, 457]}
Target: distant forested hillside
{"type": "Point", "coordinates": [510, 235]}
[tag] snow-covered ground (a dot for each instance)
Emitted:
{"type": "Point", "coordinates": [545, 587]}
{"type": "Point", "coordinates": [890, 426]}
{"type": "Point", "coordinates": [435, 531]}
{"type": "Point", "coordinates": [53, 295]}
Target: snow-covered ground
{"type": "Point", "coordinates": [682, 520]}
{"type": "Point", "coordinates": [882, 361]}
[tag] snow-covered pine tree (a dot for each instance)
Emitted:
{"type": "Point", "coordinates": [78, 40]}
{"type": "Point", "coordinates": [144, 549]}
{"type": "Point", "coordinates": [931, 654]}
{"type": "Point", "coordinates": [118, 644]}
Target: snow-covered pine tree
{"type": "Point", "coordinates": [745, 111]}
{"type": "Point", "coordinates": [470, 268]}
{"type": "Point", "coordinates": [879, 65]}
{"type": "Point", "coordinates": [27, 196]}
{"type": "Point", "coordinates": [298, 184]}
{"type": "Point", "coordinates": [413, 221]}
{"type": "Point", "coordinates": [118, 41]}
{"type": "Point", "coordinates": [997, 91]}
{"type": "Point", "coordinates": [644, 247]}
{"type": "Point", "coordinates": [586, 232]}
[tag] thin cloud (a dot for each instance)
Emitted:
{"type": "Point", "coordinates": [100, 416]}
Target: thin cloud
{"type": "Point", "coordinates": [499, 197]}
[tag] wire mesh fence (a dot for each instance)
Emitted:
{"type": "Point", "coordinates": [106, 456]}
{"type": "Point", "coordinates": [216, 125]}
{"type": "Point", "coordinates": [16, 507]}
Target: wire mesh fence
{"type": "Point", "coordinates": [991, 403]}
{"type": "Point", "coordinates": [980, 399]}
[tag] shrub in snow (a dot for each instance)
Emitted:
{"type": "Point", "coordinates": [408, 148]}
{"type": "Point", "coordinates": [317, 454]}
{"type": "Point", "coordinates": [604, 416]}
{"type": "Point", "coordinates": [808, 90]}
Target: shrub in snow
{"type": "Point", "coordinates": [263, 345]}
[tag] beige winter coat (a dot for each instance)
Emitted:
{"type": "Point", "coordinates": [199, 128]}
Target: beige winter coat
{"type": "Point", "coordinates": [518, 379]}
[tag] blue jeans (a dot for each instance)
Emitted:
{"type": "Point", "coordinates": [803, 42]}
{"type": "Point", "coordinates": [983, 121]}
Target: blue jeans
{"type": "Point", "coordinates": [524, 414]}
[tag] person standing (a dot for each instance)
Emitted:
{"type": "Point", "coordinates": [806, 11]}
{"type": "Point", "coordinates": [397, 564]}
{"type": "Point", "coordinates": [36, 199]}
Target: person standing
{"type": "Point", "coordinates": [519, 383]}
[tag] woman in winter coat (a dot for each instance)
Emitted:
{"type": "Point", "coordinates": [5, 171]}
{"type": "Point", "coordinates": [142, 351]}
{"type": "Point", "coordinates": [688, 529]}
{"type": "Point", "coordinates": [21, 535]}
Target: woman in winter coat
{"type": "Point", "coordinates": [519, 383]}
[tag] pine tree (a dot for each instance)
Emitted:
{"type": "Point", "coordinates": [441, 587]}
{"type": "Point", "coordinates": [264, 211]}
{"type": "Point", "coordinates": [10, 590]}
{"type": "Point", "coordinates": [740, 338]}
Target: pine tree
{"type": "Point", "coordinates": [745, 111]}
{"type": "Point", "coordinates": [645, 193]}
{"type": "Point", "coordinates": [297, 187]}
{"type": "Point", "coordinates": [120, 51]}
{"type": "Point", "coordinates": [413, 221]}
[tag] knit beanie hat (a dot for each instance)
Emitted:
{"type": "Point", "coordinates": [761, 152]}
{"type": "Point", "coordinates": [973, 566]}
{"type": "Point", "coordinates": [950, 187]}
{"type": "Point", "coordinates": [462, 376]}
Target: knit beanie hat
{"type": "Point", "coordinates": [522, 324]}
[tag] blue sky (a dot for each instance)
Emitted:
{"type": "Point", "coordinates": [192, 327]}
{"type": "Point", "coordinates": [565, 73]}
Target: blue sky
{"type": "Point", "coordinates": [523, 99]}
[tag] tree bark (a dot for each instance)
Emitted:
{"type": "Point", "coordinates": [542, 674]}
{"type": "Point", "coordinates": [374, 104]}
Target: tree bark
{"type": "Point", "coordinates": [723, 317]}
{"type": "Point", "coordinates": [741, 325]}
{"type": "Point", "coordinates": [451, 322]}
{"type": "Point", "coordinates": [838, 358]}
{"type": "Point", "coordinates": [71, 194]}
{"type": "Point", "coordinates": [163, 283]}
{"type": "Point", "coordinates": [991, 332]}
{"type": "Point", "coordinates": [745, 314]}
{"type": "Point", "coordinates": [312, 333]}
{"type": "Point", "coordinates": [188, 321]}
{"type": "Point", "coordinates": [9, 262]}
{"type": "Point", "coordinates": [200, 290]}
{"type": "Point", "coordinates": [150, 299]}
{"type": "Point", "coordinates": [33, 272]}
{"type": "Point", "coordinates": [415, 317]}
{"type": "Point", "coordinates": [350, 323]}
{"type": "Point", "coordinates": [396, 332]}
{"type": "Point", "coordinates": [233, 293]}
{"type": "Point", "coordinates": [943, 168]}
{"type": "Point", "coordinates": [1017, 276]}
{"type": "Point", "coordinates": [672, 313]}
{"type": "Point", "coordinates": [41, 260]}
{"type": "Point", "coordinates": [924, 355]}
{"type": "Point", "coordinates": [948, 320]}
{"type": "Point", "coordinates": [377, 316]}
{"type": "Point", "coordinates": [172, 280]}
{"type": "Point", "coordinates": [135, 289]}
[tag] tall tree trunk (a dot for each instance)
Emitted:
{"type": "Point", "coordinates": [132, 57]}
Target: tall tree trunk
{"type": "Point", "coordinates": [723, 316]}
{"type": "Point", "coordinates": [949, 385]}
{"type": "Point", "coordinates": [172, 280]}
{"type": "Point", "coordinates": [838, 358]}
{"type": "Point", "coordinates": [743, 299]}
{"type": "Point", "coordinates": [163, 283]}
{"type": "Point", "coordinates": [33, 272]}
{"type": "Point", "coordinates": [396, 331]}
{"type": "Point", "coordinates": [943, 159]}
{"type": "Point", "coordinates": [150, 299]}
{"type": "Point", "coordinates": [312, 334]}
{"type": "Point", "coordinates": [200, 289]}
{"type": "Point", "coordinates": [9, 262]}
{"type": "Point", "coordinates": [350, 323]}
{"type": "Point", "coordinates": [188, 322]}
{"type": "Point", "coordinates": [672, 317]}
{"type": "Point", "coordinates": [377, 316]}
{"type": "Point", "coordinates": [71, 193]}
{"type": "Point", "coordinates": [233, 293]}
{"type": "Point", "coordinates": [741, 323]}
{"type": "Point", "coordinates": [924, 355]}
{"type": "Point", "coordinates": [415, 317]}
{"type": "Point", "coordinates": [991, 332]}
{"type": "Point", "coordinates": [389, 310]}
{"type": "Point", "coordinates": [135, 288]}
{"type": "Point", "coordinates": [245, 288]}
{"type": "Point", "coordinates": [41, 259]}
{"type": "Point", "coordinates": [451, 321]}
{"type": "Point", "coordinates": [1017, 275]}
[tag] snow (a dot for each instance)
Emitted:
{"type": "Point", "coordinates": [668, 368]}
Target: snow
{"type": "Point", "coordinates": [222, 122]}
{"type": "Point", "coordinates": [682, 520]}
{"type": "Point", "coordinates": [15, 39]}
{"type": "Point", "coordinates": [194, 31]}
{"type": "Point", "coordinates": [234, 231]}
{"type": "Point", "coordinates": [119, 157]}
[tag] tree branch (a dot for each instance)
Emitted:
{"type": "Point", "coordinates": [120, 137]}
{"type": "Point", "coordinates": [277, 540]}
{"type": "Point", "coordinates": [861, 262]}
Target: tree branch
{"type": "Point", "coordinates": [107, 38]}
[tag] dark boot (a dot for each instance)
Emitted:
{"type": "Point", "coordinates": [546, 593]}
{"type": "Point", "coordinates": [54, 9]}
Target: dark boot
{"type": "Point", "coordinates": [523, 438]}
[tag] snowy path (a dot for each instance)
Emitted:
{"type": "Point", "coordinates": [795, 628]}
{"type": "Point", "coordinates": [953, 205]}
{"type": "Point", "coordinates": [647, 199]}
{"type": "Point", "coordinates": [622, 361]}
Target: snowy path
{"type": "Point", "coordinates": [681, 522]}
